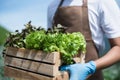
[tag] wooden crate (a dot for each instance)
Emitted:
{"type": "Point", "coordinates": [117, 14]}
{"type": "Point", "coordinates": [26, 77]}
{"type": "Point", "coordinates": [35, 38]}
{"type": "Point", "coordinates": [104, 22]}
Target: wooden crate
{"type": "Point", "coordinates": [27, 64]}
{"type": "Point", "coordinates": [24, 64]}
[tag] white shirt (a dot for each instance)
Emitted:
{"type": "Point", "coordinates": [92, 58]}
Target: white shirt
{"type": "Point", "coordinates": [104, 18]}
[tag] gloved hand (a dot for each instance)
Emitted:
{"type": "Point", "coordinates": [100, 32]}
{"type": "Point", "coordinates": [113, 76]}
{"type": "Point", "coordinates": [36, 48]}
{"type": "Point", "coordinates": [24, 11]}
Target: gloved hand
{"type": "Point", "coordinates": [80, 71]}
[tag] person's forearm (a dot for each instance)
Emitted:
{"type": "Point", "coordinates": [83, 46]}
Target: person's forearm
{"type": "Point", "coordinates": [110, 58]}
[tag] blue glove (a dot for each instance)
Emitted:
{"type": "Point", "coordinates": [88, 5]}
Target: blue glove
{"type": "Point", "coordinates": [80, 71]}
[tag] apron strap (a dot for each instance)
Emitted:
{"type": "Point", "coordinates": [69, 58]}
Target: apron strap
{"type": "Point", "coordinates": [86, 28]}
{"type": "Point", "coordinates": [85, 3]}
{"type": "Point", "coordinates": [61, 2]}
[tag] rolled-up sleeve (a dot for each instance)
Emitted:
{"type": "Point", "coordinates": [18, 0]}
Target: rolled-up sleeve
{"type": "Point", "coordinates": [110, 18]}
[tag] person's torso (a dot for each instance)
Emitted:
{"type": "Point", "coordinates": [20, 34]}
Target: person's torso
{"type": "Point", "coordinates": [97, 34]}
{"type": "Point", "coordinates": [75, 19]}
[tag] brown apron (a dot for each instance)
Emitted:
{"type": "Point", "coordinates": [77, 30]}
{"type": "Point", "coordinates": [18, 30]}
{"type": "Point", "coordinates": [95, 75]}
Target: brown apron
{"type": "Point", "coordinates": [75, 18]}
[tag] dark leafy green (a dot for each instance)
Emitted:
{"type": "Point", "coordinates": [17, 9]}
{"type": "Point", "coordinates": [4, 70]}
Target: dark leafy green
{"type": "Point", "coordinates": [16, 39]}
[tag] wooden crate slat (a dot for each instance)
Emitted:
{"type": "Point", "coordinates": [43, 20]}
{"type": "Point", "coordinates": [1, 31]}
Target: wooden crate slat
{"type": "Point", "coordinates": [19, 79]}
{"type": "Point", "coordinates": [7, 60]}
{"type": "Point", "coordinates": [38, 55]}
{"type": "Point", "coordinates": [38, 67]}
{"type": "Point", "coordinates": [17, 62]}
{"type": "Point", "coordinates": [13, 61]}
{"type": "Point", "coordinates": [53, 57]}
{"type": "Point", "coordinates": [26, 64]}
{"type": "Point", "coordinates": [63, 75]}
{"type": "Point", "coordinates": [11, 50]}
{"type": "Point", "coordinates": [15, 73]}
{"type": "Point", "coordinates": [31, 54]}
{"type": "Point", "coordinates": [48, 69]}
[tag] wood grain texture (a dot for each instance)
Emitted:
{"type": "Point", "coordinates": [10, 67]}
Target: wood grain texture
{"type": "Point", "coordinates": [38, 55]}
{"type": "Point", "coordinates": [37, 67]}
{"type": "Point", "coordinates": [25, 64]}
{"type": "Point", "coordinates": [24, 75]}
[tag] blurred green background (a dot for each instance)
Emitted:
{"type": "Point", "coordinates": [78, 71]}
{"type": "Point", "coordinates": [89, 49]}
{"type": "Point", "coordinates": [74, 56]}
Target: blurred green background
{"type": "Point", "coordinates": [3, 36]}
{"type": "Point", "coordinates": [111, 73]}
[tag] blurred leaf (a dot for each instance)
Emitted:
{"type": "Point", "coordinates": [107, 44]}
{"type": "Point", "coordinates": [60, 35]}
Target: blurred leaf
{"type": "Point", "coordinates": [112, 73]}
{"type": "Point", "coordinates": [3, 35]}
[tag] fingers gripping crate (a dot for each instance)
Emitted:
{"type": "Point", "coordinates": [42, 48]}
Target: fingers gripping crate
{"type": "Point", "coordinates": [33, 65]}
